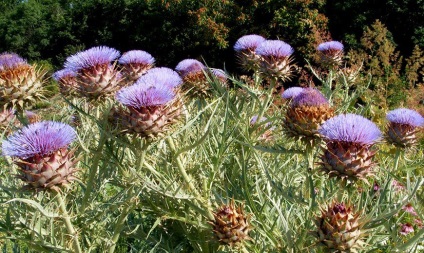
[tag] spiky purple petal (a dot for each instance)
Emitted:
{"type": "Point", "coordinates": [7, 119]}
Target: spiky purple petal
{"type": "Point", "coordinates": [160, 76]}
{"type": "Point", "coordinates": [292, 92]}
{"type": "Point", "coordinates": [139, 96]}
{"type": "Point", "coordinates": [405, 116]}
{"type": "Point", "coordinates": [136, 57]}
{"type": "Point", "coordinates": [330, 45]}
{"type": "Point", "coordinates": [189, 66]}
{"type": "Point", "coordinates": [309, 97]}
{"type": "Point", "coordinates": [248, 42]}
{"type": "Point", "coordinates": [274, 48]}
{"type": "Point", "coordinates": [351, 128]}
{"type": "Point", "coordinates": [63, 73]}
{"type": "Point", "coordinates": [40, 138]}
{"type": "Point", "coordinates": [91, 57]}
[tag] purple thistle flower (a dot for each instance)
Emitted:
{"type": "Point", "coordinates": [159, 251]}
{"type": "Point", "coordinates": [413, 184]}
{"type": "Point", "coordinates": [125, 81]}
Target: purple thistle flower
{"type": "Point", "coordinates": [292, 92]}
{"type": "Point", "coordinates": [406, 229]}
{"type": "Point", "coordinates": [11, 60]}
{"type": "Point", "coordinates": [309, 97]}
{"type": "Point", "coordinates": [138, 96]}
{"type": "Point", "coordinates": [330, 46]}
{"type": "Point", "coordinates": [189, 66]}
{"type": "Point", "coordinates": [63, 73]}
{"type": "Point", "coordinates": [406, 117]}
{"type": "Point", "coordinates": [91, 57]}
{"type": "Point", "coordinates": [40, 138]}
{"type": "Point", "coordinates": [248, 42]}
{"type": "Point", "coordinates": [255, 118]}
{"type": "Point", "coordinates": [159, 77]}
{"type": "Point", "coordinates": [219, 73]}
{"type": "Point", "coordinates": [350, 128]}
{"type": "Point", "coordinates": [275, 49]}
{"type": "Point", "coordinates": [136, 57]}
{"type": "Point", "coordinates": [409, 209]}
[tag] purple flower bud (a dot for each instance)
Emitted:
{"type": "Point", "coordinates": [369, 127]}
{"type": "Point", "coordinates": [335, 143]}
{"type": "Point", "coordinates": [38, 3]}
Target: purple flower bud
{"type": "Point", "coordinates": [91, 57]}
{"type": "Point", "coordinates": [350, 128]}
{"type": "Point", "coordinates": [11, 60]}
{"type": "Point", "coordinates": [159, 77]}
{"type": "Point", "coordinates": [274, 48]}
{"type": "Point", "coordinates": [220, 74]}
{"type": "Point", "coordinates": [138, 96]}
{"type": "Point", "coordinates": [255, 118]}
{"type": "Point", "coordinates": [406, 117]}
{"type": "Point", "coordinates": [409, 209]}
{"type": "Point", "coordinates": [136, 57]}
{"type": "Point", "coordinates": [330, 46]}
{"type": "Point", "coordinates": [248, 42]}
{"type": "Point", "coordinates": [64, 73]}
{"type": "Point", "coordinates": [309, 97]}
{"type": "Point", "coordinates": [292, 92]}
{"type": "Point", "coordinates": [189, 66]}
{"type": "Point", "coordinates": [40, 138]}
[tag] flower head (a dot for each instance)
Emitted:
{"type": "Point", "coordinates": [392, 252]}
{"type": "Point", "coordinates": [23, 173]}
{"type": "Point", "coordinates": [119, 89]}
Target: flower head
{"type": "Point", "coordinates": [274, 48]}
{"type": "Point", "coordinates": [219, 73]}
{"type": "Point", "coordinates": [189, 66]}
{"type": "Point", "coordinates": [292, 92]}
{"type": "Point", "coordinates": [137, 57]}
{"type": "Point", "coordinates": [406, 117]}
{"type": "Point", "coordinates": [11, 60]}
{"type": "Point", "coordinates": [350, 128]}
{"type": "Point", "coordinates": [330, 46]}
{"type": "Point", "coordinates": [309, 97]}
{"type": "Point", "coordinates": [64, 73]}
{"type": "Point", "coordinates": [409, 209]}
{"type": "Point", "coordinates": [138, 96]}
{"type": "Point", "coordinates": [91, 57]}
{"type": "Point", "coordinates": [160, 76]}
{"type": "Point", "coordinates": [248, 42]}
{"type": "Point", "coordinates": [40, 138]}
{"type": "Point", "coordinates": [406, 229]}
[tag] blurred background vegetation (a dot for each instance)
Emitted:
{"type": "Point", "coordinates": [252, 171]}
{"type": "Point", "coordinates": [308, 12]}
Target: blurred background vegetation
{"type": "Point", "coordinates": [385, 37]}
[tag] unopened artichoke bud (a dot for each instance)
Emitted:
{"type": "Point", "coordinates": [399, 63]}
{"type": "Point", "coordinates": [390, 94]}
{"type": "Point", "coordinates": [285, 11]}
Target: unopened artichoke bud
{"type": "Point", "coordinates": [67, 80]}
{"type": "Point", "coordinates": [349, 147]}
{"type": "Point", "coordinates": [151, 107]}
{"type": "Point", "coordinates": [403, 126]}
{"type": "Point", "coordinates": [339, 228]}
{"type": "Point", "coordinates": [20, 82]}
{"type": "Point", "coordinates": [245, 48]}
{"type": "Point", "coordinates": [305, 114]}
{"type": "Point", "coordinates": [194, 80]}
{"type": "Point", "coordinates": [276, 59]}
{"type": "Point", "coordinates": [331, 53]}
{"type": "Point", "coordinates": [41, 151]}
{"type": "Point", "coordinates": [231, 225]}
{"type": "Point", "coordinates": [96, 75]}
{"type": "Point", "coordinates": [135, 63]}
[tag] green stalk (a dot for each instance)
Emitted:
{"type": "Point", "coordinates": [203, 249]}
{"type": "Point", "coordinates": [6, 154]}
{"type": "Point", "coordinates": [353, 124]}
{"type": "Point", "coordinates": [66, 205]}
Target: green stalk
{"type": "Point", "coordinates": [93, 170]}
{"type": "Point", "coordinates": [268, 98]}
{"type": "Point", "coordinates": [187, 178]}
{"type": "Point", "coordinates": [120, 224]}
{"type": "Point", "coordinates": [68, 223]}
{"type": "Point", "coordinates": [397, 158]}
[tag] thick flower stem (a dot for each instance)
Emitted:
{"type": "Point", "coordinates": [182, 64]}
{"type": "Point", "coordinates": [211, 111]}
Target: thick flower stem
{"type": "Point", "coordinates": [120, 224]}
{"type": "Point", "coordinates": [93, 170]}
{"type": "Point", "coordinates": [268, 99]}
{"type": "Point", "coordinates": [68, 223]}
{"type": "Point", "coordinates": [397, 158]}
{"type": "Point", "coordinates": [187, 178]}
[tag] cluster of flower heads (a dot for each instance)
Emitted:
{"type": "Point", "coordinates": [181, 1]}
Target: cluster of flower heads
{"type": "Point", "coordinates": [20, 82]}
{"type": "Point", "coordinates": [272, 58]}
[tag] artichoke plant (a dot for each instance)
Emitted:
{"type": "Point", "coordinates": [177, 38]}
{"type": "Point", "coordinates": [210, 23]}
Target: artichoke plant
{"type": "Point", "coordinates": [331, 53]}
{"type": "Point", "coordinates": [245, 48]}
{"type": "Point", "coordinates": [134, 64]}
{"type": "Point", "coordinates": [403, 126]}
